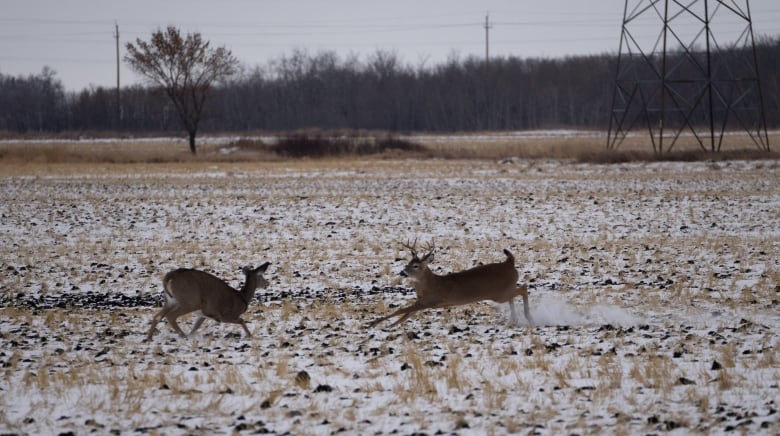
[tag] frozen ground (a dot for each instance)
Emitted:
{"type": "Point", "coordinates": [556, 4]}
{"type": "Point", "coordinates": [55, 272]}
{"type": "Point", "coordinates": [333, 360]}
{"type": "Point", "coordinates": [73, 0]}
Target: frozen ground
{"type": "Point", "coordinates": [655, 287]}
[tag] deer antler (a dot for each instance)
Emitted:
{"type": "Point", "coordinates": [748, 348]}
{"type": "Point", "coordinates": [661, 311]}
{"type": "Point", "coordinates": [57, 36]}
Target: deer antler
{"type": "Point", "coordinates": [430, 247]}
{"type": "Point", "coordinates": [412, 247]}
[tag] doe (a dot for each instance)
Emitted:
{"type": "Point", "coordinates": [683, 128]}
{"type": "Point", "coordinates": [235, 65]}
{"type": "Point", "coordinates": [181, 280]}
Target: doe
{"type": "Point", "coordinates": [190, 290]}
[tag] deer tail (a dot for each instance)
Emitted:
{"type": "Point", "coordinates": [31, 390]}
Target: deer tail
{"type": "Point", "coordinates": [167, 292]}
{"type": "Point", "coordinates": [509, 256]}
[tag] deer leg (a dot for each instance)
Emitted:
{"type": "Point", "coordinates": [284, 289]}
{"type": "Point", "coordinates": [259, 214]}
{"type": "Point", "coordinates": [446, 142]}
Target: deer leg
{"type": "Point", "coordinates": [527, 309]}
{"type": "Point", "coordinates": [241, 323]}
{"type": "Point", "coordinates": [198, 322]}
{"type": "Point", "coordinates": [157, 317]}
{"type": "Point", "coordinates": [513, 320]}
{"type": "Point", "coordinates": [405, 311]}
{"type": "Point", "coordinates": [171, 317]}
{"type": "Point", "coordinates": [401, 319]}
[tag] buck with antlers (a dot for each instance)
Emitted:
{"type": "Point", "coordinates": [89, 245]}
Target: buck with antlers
{"type": "Point", "coordinates": [495, 281]}
{"type": "Point", "coordinates": [190, 290]}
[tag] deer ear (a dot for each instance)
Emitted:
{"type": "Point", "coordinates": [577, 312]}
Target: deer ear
{"type": "Point", "coordinates": [246, 269]}
{"type": "Point", "coordinates": [263, 267]}
{"type": "Point", "coordinates": [427, 258]}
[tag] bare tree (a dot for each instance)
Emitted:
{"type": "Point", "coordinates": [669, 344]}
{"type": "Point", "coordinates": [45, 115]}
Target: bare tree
{"type": "Point", "coordinates": [185, 67]}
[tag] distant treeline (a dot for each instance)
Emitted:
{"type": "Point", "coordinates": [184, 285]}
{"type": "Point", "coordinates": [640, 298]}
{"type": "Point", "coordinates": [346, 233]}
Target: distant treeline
{"type": "Point", "coordinates": [380, 92]}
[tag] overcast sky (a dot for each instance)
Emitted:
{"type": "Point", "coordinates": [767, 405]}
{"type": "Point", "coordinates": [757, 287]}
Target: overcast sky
{"type": "Point", "coordinates": [76, 37]}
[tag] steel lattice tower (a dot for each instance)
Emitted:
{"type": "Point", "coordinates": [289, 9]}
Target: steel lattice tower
{"type": "Point", "coordinates": [684, 80]}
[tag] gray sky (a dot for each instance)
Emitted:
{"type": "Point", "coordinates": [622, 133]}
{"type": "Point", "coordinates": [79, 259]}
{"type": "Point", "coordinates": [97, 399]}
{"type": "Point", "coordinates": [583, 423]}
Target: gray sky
{"type": "Point", "coordinates": [76, 37]}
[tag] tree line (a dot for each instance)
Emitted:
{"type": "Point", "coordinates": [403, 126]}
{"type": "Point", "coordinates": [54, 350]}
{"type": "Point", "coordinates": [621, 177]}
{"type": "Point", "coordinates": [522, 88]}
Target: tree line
{"type": "Point", "coordinates": [380, 92]}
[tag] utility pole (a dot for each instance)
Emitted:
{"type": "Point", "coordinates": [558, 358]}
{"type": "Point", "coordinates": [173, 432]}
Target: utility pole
{"type": "Point", "coordinates": [118, 100]}
{"type": "Point", "coordinates": [487, 38]}
{"type": "Point", "coordinates": [486, 79]}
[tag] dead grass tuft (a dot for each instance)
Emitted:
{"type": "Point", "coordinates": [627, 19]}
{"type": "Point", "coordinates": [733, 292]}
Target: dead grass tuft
{"type": "Point", "coordinates": [303, 380]}
{"type": "Point", "coordinates": [585, 147]}
{"type": "Point", "coordinates": [625, 156]}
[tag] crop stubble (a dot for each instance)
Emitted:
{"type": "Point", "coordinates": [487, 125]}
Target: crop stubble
{"type": "Point", "coordinates": [656, 287]}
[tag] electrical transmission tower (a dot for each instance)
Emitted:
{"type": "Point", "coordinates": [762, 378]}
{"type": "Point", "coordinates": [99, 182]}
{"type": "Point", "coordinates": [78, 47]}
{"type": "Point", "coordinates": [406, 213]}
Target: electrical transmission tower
{"type": "Point", "coordinates": [697, 77]}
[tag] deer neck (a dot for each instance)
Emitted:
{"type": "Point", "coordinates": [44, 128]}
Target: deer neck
{"type": "Point", "coordinates": [247, 292]}
{"type": "Point", "coordinates": [426, 280]}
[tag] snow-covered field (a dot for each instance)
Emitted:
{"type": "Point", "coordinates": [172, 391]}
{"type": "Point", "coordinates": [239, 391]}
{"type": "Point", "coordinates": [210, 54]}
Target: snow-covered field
{"type": "Point", "coordinates": [656, 289]}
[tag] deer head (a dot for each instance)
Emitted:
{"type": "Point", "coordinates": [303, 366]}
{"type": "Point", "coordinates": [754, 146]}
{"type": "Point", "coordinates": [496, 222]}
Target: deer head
{"type": "Point", "coordinates": [418, 264]}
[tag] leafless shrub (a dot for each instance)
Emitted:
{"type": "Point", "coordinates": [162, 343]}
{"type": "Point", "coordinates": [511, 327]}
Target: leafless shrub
{"type": "Point", "coordinates": [319, 145]}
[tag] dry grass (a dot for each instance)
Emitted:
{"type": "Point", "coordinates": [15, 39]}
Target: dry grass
{"type": "Point", "coordinates": [594, 242]}
{"type": "Point", "coordinates": [582, 147]}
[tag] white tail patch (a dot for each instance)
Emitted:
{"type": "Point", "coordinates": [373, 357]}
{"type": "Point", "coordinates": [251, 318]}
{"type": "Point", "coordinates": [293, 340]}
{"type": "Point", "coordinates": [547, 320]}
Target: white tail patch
{"type": "Point", "coordinates": [168, 293]}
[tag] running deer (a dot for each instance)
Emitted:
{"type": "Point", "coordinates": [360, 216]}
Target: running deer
{"type": "Point", "coordinates": [190, 290]}
{"type": "Point", "coordinates": [495, 281]}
